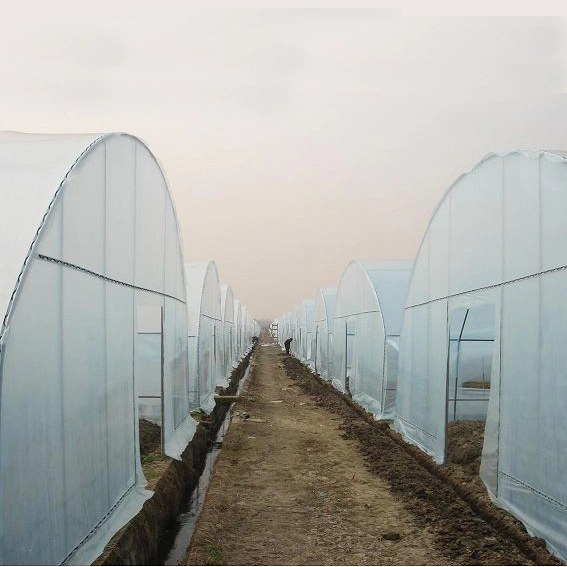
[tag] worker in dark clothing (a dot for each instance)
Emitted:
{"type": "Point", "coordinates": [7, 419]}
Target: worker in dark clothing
{"type": "Point", "coordinates": [287, 344]}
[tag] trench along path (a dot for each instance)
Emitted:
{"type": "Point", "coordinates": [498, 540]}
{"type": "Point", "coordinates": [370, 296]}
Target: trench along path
{"type": "Point", "coordinates": [293, 486]}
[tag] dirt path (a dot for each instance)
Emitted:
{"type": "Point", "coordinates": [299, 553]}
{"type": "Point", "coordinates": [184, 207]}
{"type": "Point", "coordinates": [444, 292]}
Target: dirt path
{"type": "Point", "coordinates": [303, 478]}
{"type": "Point", "coordinates": [289, 489]}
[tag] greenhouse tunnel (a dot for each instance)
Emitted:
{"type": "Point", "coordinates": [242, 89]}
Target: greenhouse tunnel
{"type": "Point", "coordinates": [227, 310]}
{"type": "Point", "coordinates": [366, 331]}
{"type": "Point", "coordinates": [322, 334]}
{"type": "Point", "coordinates": [205, 333]}
{"type": "Point", "coordinates": [285, 329]}
{"type": "Point", "coordinates": [238, 340]}
{"type": "Point", "coordinates": [84, 223]}
{"type": "Point", "coordinates": [244, 335]}
{"type": "Point", "coordinates": [301, 345]}
{"type": "Point", "coordinates": [486, 309]}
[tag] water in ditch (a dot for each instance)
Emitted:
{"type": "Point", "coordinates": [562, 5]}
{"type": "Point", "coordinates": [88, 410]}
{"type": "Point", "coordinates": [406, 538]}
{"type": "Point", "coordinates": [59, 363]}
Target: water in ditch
{"type": "Point", "coordinates": [187, 520]}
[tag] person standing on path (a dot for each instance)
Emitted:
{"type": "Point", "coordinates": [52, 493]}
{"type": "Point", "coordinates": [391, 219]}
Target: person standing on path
{"type": "Point", "coordinates": [287, 344]}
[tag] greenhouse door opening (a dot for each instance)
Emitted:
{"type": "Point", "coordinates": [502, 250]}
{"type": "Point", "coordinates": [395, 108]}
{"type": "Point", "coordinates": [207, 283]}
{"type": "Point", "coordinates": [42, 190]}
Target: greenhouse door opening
{"type": "Point", "coordinates": [471, 349]}
{"type": "Point", "coordinates": [149, 364]}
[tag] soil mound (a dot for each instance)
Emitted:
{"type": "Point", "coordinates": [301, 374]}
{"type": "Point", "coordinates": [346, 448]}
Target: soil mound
{"type": "Point", "coordinates": [150, 437]}
{"type": "Point", "coordinates": [464, 447]}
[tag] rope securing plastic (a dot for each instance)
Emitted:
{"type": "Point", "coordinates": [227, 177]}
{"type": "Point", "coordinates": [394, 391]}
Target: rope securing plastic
{"type": "Point", "coordinates": [493, 286]}
{"type": "Point", "coordinates": [106, 278]}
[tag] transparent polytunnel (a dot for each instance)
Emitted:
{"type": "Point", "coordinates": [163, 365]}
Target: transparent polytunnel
{"type": "Point", "coordinates": [237, 330]}
{"type": "Point", "coordinates": [369, 309]}
{"type": "Point", "coordinates": [205, 332]}
{"type": "Point", "coordinates": [294, 332]}
{"type": "Point", "coordinates": [291, 326]}
{"type": "Point", "coordinates": [89, 246]}
{"type": "Point", "coordinates": [227, 310]}
{"type": "Point", "coordinates": [322, 334]}
{"type": "Point", "coordinates": [251, 331]}
{"type": "Point", "coordinates": [242, 329]}
{"type": "Point", "coordinates": [282, 329]}
{"type": "Point", "coordinates": [244, 326]}
{"type": "Point", "coordinates": [301, 345]}
{"type": "Point", "coordinates": [247, 329]}
{"type": "Point", "coordinates": [487, 309]}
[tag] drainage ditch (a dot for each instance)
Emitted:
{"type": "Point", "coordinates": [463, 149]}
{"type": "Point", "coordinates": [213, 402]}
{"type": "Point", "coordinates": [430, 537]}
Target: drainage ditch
{"type": "Point", "coordinates": [178, 539]}
{"type": "Point", "coordinates": [157, 534]}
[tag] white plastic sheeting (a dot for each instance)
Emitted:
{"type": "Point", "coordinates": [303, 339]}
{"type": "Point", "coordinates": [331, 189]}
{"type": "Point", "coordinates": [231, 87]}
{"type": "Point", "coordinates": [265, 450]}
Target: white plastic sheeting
{"type": "Point", "coordinates": [237, 330]}
{"type": "Point", "coordinates": [243, 329]}
{"type": "Point", "coordinates": [367, 326]}
{"type": "Point", "coordinates": [285, 328]}
{"type": "Point", "coordinates": [494, 248]}
{"type": "Point", "coordinates": [301, 346]}
{"type": "Point", "coordinates": [205, 332]}
{"type": "Point", "coordinates": [88, 241]}
{"type": "Point", "coordinates": [322, 334]}
{"type": "Point", "coordinates": [227, 310]}
{"type": "Point", "coordinates": [248, 329]}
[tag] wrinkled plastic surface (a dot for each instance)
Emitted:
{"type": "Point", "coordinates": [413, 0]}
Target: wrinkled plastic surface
{"type": "Point", "coordinates": [88, 223]}
{"type": "Point", "coordinates": [495, 245]}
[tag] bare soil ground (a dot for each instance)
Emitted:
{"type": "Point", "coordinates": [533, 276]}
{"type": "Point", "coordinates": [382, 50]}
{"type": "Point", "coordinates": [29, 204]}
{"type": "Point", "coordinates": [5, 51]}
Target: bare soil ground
{"type": "Point", "coordinates": [154, 462]}
{"type": "Point", "coordinates": [305, 479]}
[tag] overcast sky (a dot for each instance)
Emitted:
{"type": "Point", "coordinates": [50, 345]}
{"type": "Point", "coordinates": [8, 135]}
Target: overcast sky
{"type": "Point", "coordinates": [293, 140]}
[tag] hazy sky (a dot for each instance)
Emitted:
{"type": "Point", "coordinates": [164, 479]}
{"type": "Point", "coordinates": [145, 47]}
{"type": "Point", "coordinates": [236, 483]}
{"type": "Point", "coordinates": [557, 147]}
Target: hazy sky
{"type": "Point", "coordinates": [293, 140]}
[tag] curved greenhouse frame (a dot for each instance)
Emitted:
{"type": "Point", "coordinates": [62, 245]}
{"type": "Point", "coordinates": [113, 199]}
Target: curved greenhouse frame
{"type": "Point", "coordinates": [243, 330]}
{"type": "Point", "coordinates": [237, 335]}
{"type": "Point", "coordinates": [493, 252]}
{"type": "Point", "coordinates": [303, 314]}
{"type": "Point", "coordinates": [285, 328]}
{"type": "Point", "coordinates": [205, 332]}
{"type": "Point", "coordinates": [322, 334]}
{"type": "Point", "coordinates": [91, 257]}
{"type": "Point", "coordinates": [227, 310]}
{"type": "Point", "coordinates": [367, 326]}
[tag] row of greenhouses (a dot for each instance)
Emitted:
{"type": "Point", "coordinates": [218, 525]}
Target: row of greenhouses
{"type": "Point", "coordinates": [103, 323]}
{"type": "Point", "coordinates": [473, 329]}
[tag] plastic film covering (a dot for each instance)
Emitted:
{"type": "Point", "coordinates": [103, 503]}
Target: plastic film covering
{"type": "Point", "coordinates": [295, 330]}
{"type": "Point", "coordinates": [301, 345]}
{"type": "Point", "coordinates": [322, 334]}
{"type": "Point", "coordinates": [284, 329]}
{"type": "Point", "coordinates": [227, 309]}
{"type": "Point", "coordinates": [245, 329]}
{"type": "Point", "coordinates": [485, 306]}
{"type": "Point", "coordinates": [73, 279]}
{"type": "Point", "coordinates": [237, 334]}
{"type": "Point", "coordinates": [205, 332]}
{"type": "Point", "coordinates": [368, 318]}
{"type": "Point", "coordinates": [290, 327]}
{"type": "Point", "coordinates": [242, 329]}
